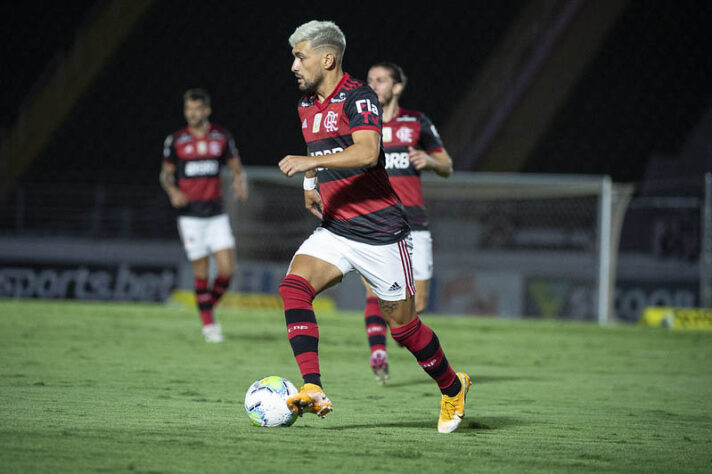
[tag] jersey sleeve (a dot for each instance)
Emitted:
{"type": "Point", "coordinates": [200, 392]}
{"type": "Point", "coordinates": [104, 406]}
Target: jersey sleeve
{"type": "Point", "coordinates": [430, 139]}
{"type": "Point", "coordinates": [169, 150]}
{"type": "Point", "coordinates": [230, 151]}
{"type": "Point", "coordinates": [363, 110]}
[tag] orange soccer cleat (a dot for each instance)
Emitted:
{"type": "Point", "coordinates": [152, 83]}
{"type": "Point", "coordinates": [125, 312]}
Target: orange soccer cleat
{"type": "Point", "coordinates": [452, 409]}
{"type": "Point", "coordinates": [310, 398]}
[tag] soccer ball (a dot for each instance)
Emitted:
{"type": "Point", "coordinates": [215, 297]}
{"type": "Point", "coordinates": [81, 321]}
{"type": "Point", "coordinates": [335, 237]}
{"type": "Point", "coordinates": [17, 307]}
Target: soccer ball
{"type": "Point", "coordinates": [266, 402]}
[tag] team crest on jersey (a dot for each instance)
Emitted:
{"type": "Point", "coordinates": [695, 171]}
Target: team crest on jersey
{"type": "Point", "coordinates": [214, 148]}
{"type": "Point", "coordinates": [330, 121]}
{"type": "Point", "coordinates": [202, 148]}
{"type": "Point", "coordinates": [317, 123]}
{"type": "Point", "coordinates": [405, 134]}
{"type": "Point", "coordinates": [387, 134]}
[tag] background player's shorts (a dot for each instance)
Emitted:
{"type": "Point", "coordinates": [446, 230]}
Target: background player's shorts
{"type": "Point", "coordinates": [202, 236]}
{"type": "Point", "coordinates": [386, 268]}
{"type": "Point", "coordinates": [422, 255]}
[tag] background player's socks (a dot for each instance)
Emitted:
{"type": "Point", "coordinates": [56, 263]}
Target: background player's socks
{"type": "Point", "coordinates": [219, 286]}
{"type": "Point", "coordinates": [204, 300]}
{"type": "Point", "coordinates": [422, 342]}
{"type": "Point", "coordinates": [376, 328]}
{"type": "Point", "coordinates": [297, 295]}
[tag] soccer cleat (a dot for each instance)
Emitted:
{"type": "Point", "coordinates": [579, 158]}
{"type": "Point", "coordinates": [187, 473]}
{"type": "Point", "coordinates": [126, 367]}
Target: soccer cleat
{"type": "Point", "coordinates": [212, 333]}
{"type": "Point", "coordinates": [310, 398]}
{"type": "Point", "coordinates": [452, 409]}
{"type": "Point", "coordinates": [379, 365]}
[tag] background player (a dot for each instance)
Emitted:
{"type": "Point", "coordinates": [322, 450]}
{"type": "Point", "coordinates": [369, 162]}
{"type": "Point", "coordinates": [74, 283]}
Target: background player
{"type": "Point", "coordinates": [412, 144]}
{"type": "Point", "coordinates": [192, 159]}
{"type": "Point", "coordinates": [363, 223]}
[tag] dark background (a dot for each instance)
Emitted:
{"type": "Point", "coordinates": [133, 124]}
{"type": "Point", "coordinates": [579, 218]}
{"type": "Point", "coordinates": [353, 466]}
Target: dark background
{"type": "Point", "coordinates": [642, 94]}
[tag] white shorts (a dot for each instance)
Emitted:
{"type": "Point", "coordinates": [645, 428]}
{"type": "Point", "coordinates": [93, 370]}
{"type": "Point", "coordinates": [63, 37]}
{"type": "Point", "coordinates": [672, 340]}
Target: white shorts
{"type": "Point", "coordinates": [386, 268]}
{"type": "Point", "coordinates": [422, 254]}
{"type": "Point", "coordinates": [202, 236]}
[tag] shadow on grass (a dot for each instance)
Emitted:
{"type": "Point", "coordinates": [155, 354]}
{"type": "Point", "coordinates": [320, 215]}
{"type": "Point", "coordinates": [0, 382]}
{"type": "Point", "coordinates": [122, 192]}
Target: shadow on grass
{"type": "Point", "coordinates": [467, 425]}
{"type": "Point", "coordinates": [478, 379]}
{"type": "Point", "coordinates": [408, 383]}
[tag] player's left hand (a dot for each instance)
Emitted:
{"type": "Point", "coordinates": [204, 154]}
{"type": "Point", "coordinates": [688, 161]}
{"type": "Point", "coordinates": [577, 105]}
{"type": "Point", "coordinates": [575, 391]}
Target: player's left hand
{"type": "Point", "coordinates": [418, 158]}
{"type": "Point", "coordinates": [293, 164]}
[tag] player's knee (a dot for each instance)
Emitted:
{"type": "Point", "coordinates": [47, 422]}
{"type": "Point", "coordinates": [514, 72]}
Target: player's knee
{"type": "Point", "coordinates": [296, 291]}
{"type": "Point", "coordinates": [226, 272]}
{"type": "Point", "coordinates": [421, 305]}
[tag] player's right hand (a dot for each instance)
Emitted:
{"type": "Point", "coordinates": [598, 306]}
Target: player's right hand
{"type": "Point", "coordinates": [178, 199]}
{"type": "Point", "coordinates": [293, 164]}
{"type": "Point", "coordinates": [312, 201]}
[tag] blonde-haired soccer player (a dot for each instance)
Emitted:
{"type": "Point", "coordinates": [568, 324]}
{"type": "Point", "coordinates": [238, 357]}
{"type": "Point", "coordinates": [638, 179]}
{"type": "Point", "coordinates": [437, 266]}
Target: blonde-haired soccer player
{"type": "Point", "coordinates": [363, 225]}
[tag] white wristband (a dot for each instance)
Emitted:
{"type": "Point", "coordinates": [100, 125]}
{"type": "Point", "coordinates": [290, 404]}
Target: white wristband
{"type": "Point", "coordinates": [309, 183]}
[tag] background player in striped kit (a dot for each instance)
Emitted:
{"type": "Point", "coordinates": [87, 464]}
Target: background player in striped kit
{"type": "Point", "coordinates": [192, 159]}
{"type": "Point", "coordinates": [363, 228]}
{"type": "Point", "coordinates": [412, 145]}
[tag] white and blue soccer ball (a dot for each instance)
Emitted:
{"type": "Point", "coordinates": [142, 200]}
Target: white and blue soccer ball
{"type": "Point", "coordinates": [266, 402]}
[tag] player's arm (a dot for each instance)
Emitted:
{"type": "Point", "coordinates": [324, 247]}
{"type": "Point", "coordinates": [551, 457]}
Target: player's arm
{"type": "Point", "coordinates": [438, 161]}
{"type": "Point", "coordinates": [362, 154]}
{"type": "Point", "coordinates": [239, 178]}
{"type": "Point", "coordinates": [167, 179]}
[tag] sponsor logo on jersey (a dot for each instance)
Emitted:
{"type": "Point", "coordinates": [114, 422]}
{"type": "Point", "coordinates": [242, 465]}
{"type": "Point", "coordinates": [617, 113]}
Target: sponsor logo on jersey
{"type": "Point", "coordinates": [201, 168]}
{"type": "Point", "coordinates": [338, 149]}
{"type": "Point", "coordinates": [317, 123]}
{"type": "Point", "coordinates": [202, 148]}
{"type": "Point", "coordinates": [369, 111]}
{"type": "Point", "coordinates": [405, 134]}
{"type": "Point", "coordinates": [387, 134]}
{"type": "Point", "coordinates": [189, 149]}
{"type": "Point", "coordinates": [396, 160]}
{"type": "Point", "coordinates": [340, 98]}
{"type": "Point", "coordinates": [304, 123]}
{"type": "Point", "coordinates": [330, 121]}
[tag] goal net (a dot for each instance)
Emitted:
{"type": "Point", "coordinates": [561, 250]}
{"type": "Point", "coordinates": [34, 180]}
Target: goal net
{"type": "Point", "coordinates": [511, 245]}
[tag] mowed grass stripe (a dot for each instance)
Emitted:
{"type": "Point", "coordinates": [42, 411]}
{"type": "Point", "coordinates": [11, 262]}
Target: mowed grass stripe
{"type": "Point", "coordinates": [97, 387]}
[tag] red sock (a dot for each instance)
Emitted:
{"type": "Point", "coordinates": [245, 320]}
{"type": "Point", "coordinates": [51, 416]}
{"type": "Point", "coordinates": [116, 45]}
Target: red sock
{"type": "Point", "coordinates": [219, 286]}
{"type": "Point", "coordinates": [302, 330]}
{"type": "Point", "coordinates": [422, 342]}
{"type": "Point", "coordinates": [376, 328]}
{"type": "Point", "coordinates": [204, 300]}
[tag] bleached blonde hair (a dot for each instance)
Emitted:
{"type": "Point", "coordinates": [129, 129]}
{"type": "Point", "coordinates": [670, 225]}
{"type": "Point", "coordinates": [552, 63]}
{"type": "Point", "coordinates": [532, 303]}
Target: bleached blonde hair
{"type": "Point", "coordinates": [321, 34]}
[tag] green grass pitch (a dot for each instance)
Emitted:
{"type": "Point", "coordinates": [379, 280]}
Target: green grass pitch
{"type": "Point", "coordinates": [92, 387]}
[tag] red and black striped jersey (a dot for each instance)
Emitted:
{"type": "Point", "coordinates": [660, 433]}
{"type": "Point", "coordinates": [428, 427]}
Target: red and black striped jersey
{"type": "Point", "coordinates": [359, 204]}
{"type": "Point", "coordinates": [409, 128]}
{"type": "Point", "coordinates": [198, 162]}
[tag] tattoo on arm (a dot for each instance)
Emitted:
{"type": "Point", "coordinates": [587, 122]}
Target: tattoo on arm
{"type": "Point", "coordinates": [167, 179]}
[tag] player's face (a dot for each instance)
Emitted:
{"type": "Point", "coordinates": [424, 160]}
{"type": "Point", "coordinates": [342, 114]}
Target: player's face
{"type": "Point", "coordinates": [307, 66]}
{"type": "Point", "coordinates": [195, 112]}
{"type": "Point", "coordinates": [380, 80]}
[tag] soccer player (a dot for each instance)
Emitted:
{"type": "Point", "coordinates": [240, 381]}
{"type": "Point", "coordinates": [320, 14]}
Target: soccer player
{"type": "Point", "coordinates": [412, 145]}
{"type": "Point", "coordinates": [192, 159]}
{"type": "Point", "coordinates": [363, 227]}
